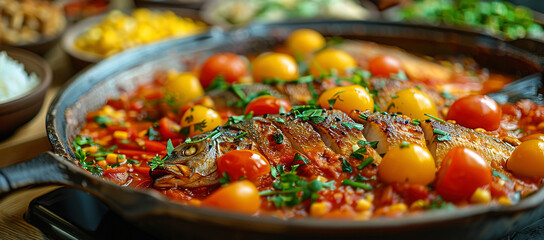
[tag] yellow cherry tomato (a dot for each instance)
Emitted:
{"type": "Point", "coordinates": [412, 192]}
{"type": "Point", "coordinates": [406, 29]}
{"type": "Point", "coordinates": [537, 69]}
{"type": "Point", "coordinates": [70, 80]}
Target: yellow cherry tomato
{"type": "Point", "coordinates": [535, 136]}
{"type": "Point", "coordinates": [413, 103]}
{"type": "Point", "coordinates": [200, 119]}
{"type": "Point", "coordinates": [329, 60]}
{"type": "Point", "coordinates": [347, 99]}
{"type": "Point", "coordinates": [409, 163]}
{"type": "Point", "coordinates": [275, 65]}
{"type": "Point", "coordinates": [183, 87]}
{"type": "Point", "coordinates": [305, 41]}
{"type": "Point", "coordinates": [527, 159]}
{"type": "Point", "coordinates": [241, 196]}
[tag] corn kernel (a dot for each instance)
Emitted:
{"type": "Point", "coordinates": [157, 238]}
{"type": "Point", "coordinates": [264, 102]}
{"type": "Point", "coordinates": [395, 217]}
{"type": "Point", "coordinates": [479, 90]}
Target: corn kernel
{"type": "Point", "coordinates": [363, 205]}
{"type": "Point", "coordinates": [418, 204]}
{"type": "Point", "coordinates": [319, 209]}
{"type": "Point", "coordinates": [540, 126]}
{"type": "Point", "coordinates": [504, 201]}
{"type": "Point", "coordinates": [111, 158]}
{"type": "Point", "coordinates": [91, 149]}
{"type": "Point", "coordinates": [321, 179]}
{"type": "Point", "coordinates": [369, 197]}
{"type": "Point", "coordinates": [142, 134]}
{"type": "Point", "coordinates": [401, 207]}
{"type": "Point", "coordinates": [120, 134]}
{"type": "Point", "coordinates": [102, 164]}
{"type": "Point", "coordinates": [108, 110]}
{"type": "Point", "coordinates": [481, 196]}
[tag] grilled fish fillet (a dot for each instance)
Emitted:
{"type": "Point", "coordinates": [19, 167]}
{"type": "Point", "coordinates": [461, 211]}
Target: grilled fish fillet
{"type": "Point", "coordinates": [491, 149]}
{"type": "Point", "coordinates": [390, 130]}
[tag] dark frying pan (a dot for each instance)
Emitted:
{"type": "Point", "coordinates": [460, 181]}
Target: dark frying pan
{"type": "Point", "coordinates": [158, 216]}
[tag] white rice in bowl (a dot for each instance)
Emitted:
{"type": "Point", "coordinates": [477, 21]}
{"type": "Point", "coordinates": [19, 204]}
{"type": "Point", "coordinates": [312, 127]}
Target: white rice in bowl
{"type": "Point", "coordinates": [14, 81]}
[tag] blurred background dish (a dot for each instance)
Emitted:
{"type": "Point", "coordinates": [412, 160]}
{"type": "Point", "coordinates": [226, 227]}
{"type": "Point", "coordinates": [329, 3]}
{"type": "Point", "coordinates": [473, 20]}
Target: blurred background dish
{"type": "Point", "coordinates": [231, 13]}
{"type": "Point", "coordinates": [35, 25]}
{"type": "Point", "coordinates": [96, 38]}
{"type": "Point", "coordinates": [18, 110]}
{"type": "Point", "coordinates": [189, 4]}
{"type": "Point", "coordinates": [499, 18]}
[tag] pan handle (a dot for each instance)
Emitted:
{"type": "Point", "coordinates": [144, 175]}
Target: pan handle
{"type": "Point", "coordinates": [42, 170]}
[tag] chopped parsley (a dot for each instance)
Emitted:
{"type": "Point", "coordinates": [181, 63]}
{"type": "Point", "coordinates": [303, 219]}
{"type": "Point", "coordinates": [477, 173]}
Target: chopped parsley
{"type": "Point", "coordinates": [308, 112]}
{"type": "Point", "coordinates": [435, 118]}
{"type": "Point", "coordinates": [238, 119]}
{"type": "Point", "coordinates": [299, 157]}
{"type": "Point", "coordinates": [290, 189]}
{"type": "Point", "coordinates": [218, 83]}
{"type": "Point", "coordinates": [241, 135]}
{"type": "Point", "coordinates": [352, 125]}
{"type": "Point", "coordinates": [442, 135]}
{"type": "Point", "coordinates": [212, 135]}
{"type": "Point", "coordinates": [156, 161]}
{"type": "Point", "coordinates": [365, 163]}
{"type": "Point", "coordinates": [416, 122]}
{"type": "Point", "coordinates": [245, 99]}
{"type": "Point", "coordinates": [447, 95]}
{"type": "Point", "coordinates": [152, 134]}
{"type": "Point", "coordinates": [404, 144]}
{"type": "Point", "coordinates": [81, 155]}
{"type": "Point", "coordinates": [359, 154]}
{"type": "Point", "coordinates": [373, 144]}
{"type": "Point", "coordinates": [346, 167]}
{"type": "Point", "coordinates": [225, 179]}
{"type": "Point", "coordinates": [102, 121]}
{"type": "Point", "coordinates": [347, 182]}
{"type": "Point", "coordinates": [278, 137]}
{"type": "Point", "coordinates": [500, 175]}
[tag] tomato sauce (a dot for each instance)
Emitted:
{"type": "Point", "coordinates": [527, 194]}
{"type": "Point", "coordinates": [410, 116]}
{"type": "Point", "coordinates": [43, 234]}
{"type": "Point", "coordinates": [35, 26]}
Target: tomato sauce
{"type": "Point", "coordinates": [122, 139]}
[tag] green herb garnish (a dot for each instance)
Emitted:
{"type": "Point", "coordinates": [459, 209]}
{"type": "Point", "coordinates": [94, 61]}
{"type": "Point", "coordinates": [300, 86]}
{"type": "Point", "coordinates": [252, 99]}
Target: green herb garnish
{"type": "Point", "coordinates": [365, 163]}
{"type": "Point", "coordinates": [352, 125]}
{"type": "Point", "coordinates": [347, 182]}
{"type": "Point", "coordinates": [346, 167]}
{"type": "Point", "coordinates": [278, 137]}
{"type": "Point", "coordinates": [435, 118]}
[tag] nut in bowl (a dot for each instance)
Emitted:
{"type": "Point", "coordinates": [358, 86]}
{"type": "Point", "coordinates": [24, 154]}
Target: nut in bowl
{"type": "Point", "coordinates": [30, 76]}
{"type": "Point", "coordinates": [97, 38]}
{"type": "Point", "coordinates": [35, 25]}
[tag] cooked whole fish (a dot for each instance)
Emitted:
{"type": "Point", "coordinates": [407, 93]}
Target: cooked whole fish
{"type": "Point", "coordinates": [325, 143]}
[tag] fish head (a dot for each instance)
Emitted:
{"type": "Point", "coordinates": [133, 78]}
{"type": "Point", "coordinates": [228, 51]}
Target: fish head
{"type": "Point", "coordinates": [191, 164]}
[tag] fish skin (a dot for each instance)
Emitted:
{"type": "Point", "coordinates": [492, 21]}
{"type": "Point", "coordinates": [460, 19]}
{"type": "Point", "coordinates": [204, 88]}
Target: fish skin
{"type": "Point", "coordinates": [492, 150]}
{"type": "Point", "coordinates": [323, 161]}
{"type": "Point", "coordinates": [299, 136]}
{"type": "Point", "coordinates": [390, 130]}
{"type": "Point", "coordinates": [341, 138]}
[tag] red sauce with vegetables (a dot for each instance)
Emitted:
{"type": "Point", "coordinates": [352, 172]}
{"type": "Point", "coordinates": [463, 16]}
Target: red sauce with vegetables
{"type": "Point", "coordinates": [125, 139]}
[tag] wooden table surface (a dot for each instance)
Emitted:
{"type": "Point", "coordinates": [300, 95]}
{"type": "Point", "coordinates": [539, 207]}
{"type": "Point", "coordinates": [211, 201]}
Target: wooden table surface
{"type": "Point", "coordinates": [27, 142]}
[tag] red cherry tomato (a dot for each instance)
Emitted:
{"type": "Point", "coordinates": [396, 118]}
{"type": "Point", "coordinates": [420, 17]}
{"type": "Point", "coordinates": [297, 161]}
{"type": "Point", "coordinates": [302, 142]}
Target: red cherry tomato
{"type": "Point", "coordinates": [384, 65]}
{"type": "Point", "coordinates": [169, 129]}
{"type": "Point", "coordinates": [476, 111]}
{"type": "Point", "coordinates": [267, 105]}
{"type": "Point", "coordinates": [229, 65]}
{"type": "Point", "coordinates": [462, 172]}
{"type": "Point", "coordinates": [243, 163]}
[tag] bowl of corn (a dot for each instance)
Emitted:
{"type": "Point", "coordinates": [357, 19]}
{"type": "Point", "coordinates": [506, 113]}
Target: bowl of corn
{"type": "Point", "coordinates": [97, 38]}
